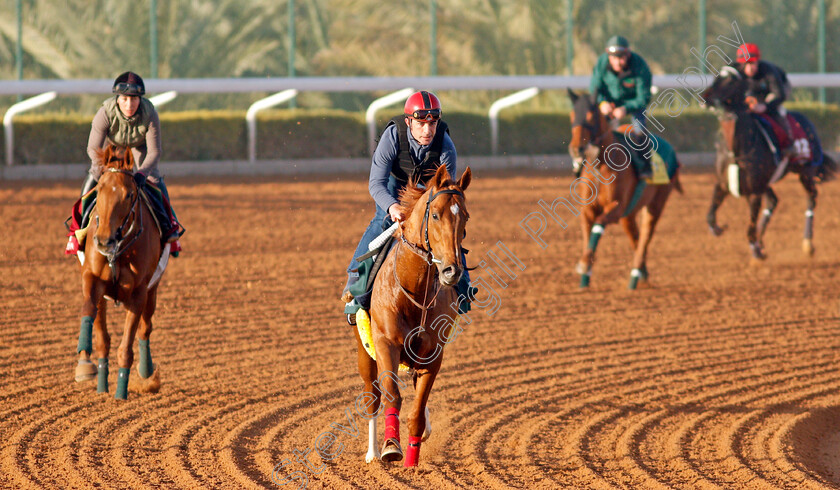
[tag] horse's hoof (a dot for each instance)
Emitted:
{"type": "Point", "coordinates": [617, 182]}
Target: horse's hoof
{"type": "Point", "coordinates": [716, 230]}
{"type": "Point", "coordinates": [391, 451]}
{"type": "Point", "coordinates": [85, 371]}
{"type": "Point", "coordinates": [757, 250]}
{"type": "Point", "coordinates": [808, 247]}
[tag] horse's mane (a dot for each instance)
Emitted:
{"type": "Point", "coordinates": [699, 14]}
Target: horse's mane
{"type": "Point", "coordinates": [116, 157]}
{"type": "Point", "coordinates": [412, 192]}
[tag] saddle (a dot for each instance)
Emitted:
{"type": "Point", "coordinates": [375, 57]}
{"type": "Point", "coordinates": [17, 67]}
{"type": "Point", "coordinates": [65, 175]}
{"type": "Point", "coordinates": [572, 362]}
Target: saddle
{"type": "Point", "coordinates": [369, 265]}
{"type": "Point", "coordinates": [79, 220]}
{"type": "Point", "coordinates": [803, 149]}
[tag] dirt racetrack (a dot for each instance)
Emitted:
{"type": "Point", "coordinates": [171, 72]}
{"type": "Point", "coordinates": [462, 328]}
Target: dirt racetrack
{"type": "Point", "coordinates": [718, 374]}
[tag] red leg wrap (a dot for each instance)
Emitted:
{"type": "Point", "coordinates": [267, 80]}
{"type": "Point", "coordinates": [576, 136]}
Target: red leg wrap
{"type": "Point", "coordinates": [392, 424]}
{"type": "Point", "coordinates": [412, 452]}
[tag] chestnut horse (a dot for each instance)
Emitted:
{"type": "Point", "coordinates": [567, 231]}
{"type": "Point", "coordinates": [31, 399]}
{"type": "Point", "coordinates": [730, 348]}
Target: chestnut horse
{"type": "Point", "coordinates": [747, 166]}
{"type": "Point", "coordinates": [121, 256]}
{"type": "Point", "coordinates": [612, 191]}
{"type": "Point", "coordinates": [413, 310]}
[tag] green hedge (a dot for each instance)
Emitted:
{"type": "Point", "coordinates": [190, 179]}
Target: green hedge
{"type": "Point", "coordinates": [298, 133]}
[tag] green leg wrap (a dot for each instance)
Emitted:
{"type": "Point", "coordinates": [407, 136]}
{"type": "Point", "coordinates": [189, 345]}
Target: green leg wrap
{"type": "Point", "coordinates": [145, 365]}
{"type": "Point", "coordinates": [122, 384]}
{"type": "Point", "coordinates": [584, 279]}
{"type": "Point", "coordinates": [597, 230]}
{"type": "Point", "coordinates": [85, 335]}
{"type": "Point", "coordinates": [102, 375]}
{"type": "Point", "coordinates": [635, 274]}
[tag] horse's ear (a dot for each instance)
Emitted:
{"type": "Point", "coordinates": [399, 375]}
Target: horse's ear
{"type": "Point", "coordinates": [128, 159]}
{"type": "Point", "coordinates": [440, 176]}
{"type": "Point", "coordinates": [465, 180]}
{"type": "Point", "coordinates": [572, 95]}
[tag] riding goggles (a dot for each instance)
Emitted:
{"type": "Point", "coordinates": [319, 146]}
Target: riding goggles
{"type": "Point", "coordinates": [128, 89]}
{"type": "Point", "coordinates": [426, 114]}
{"type": "Point", "coordinates": [618, 51]}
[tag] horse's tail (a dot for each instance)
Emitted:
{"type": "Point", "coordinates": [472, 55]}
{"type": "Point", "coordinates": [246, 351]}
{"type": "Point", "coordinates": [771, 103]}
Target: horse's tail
{"type": "Point", "coordinates": [675, 181]}
{"type": "Point", "coordinates": [827, 171]}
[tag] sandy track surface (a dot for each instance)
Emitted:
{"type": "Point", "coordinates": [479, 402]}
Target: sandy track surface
{"type": "Point", "coordinates": [717, 374]}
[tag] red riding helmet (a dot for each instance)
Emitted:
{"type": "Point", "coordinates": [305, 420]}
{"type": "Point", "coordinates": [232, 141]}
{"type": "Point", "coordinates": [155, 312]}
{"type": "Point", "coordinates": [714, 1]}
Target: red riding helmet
{"type": "Point", "coordinates": [748, 52]}
{"type": "Point", "coordinates": [423, 106]}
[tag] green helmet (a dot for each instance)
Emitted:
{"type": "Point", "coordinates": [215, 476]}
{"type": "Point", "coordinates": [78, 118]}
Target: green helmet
{"type": "Point", "coordinates": [618, 45]}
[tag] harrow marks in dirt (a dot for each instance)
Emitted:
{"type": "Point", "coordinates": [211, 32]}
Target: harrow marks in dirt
{"type": "Point", "coordinates": [714, 375]}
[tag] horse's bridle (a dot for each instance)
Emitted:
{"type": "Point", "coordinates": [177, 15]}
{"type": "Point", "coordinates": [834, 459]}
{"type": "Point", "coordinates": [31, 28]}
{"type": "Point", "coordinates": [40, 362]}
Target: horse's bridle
{"type": "Point", "coordinates": [595, 134]}
{"type": "Point", "coordinates": [122, 246]}
{"type": "Point", "coordinates": [426, 254]}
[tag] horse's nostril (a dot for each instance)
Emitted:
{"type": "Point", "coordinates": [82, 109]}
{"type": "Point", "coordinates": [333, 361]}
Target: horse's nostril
{"type": "Point", "coordinates": [449, 272]}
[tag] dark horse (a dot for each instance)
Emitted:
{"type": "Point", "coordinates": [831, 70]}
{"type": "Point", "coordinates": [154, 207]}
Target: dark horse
{"type": "Point", "coordinates": [612, 192]}
{"type": "Point", "coordinates": [119, 262]}
{"type": "Point", "coordinates": [746, 164]}
{"type": "Point", "coordinates": [413, 311]}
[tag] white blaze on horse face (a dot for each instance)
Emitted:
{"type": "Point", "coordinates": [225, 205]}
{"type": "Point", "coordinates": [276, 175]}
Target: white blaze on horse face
{"type": "Point", "coordinates": [114, 188]}
{"type": "Point", "coordinates": [455, 209]}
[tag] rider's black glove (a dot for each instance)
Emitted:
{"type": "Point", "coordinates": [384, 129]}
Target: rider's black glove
{"type": "Point", "coordinates": [140, 179]}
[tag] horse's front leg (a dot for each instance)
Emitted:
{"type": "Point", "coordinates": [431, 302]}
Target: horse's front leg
{"type": "Point", "coordinates": [807, 179]}
{"type": "Point", "coordinates": [417, 420]}
{"type": "Point", "coordinates": [718, 195]}
{"type": "Point", "coordinates": [387, 362]}
{"type": "Point", "coordinates": [755, 244]}
{"type": "Point", "coordinates": [145, 366]}
{"type": "Point", "coordinates": [92, 291]}
{"type": "Point", "coordinates": [125, 352]}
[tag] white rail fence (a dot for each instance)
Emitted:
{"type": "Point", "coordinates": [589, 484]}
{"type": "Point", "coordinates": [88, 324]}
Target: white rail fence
{"type": "Point", "coordinates": [527, 86]}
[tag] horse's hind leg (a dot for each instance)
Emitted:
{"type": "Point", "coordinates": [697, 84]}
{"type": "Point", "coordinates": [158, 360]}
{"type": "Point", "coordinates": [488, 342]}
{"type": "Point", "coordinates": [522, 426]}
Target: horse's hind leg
{"type": "Point", "coordinates": [417, 420]}
{"type": "Point", "coordinates": [144, 365]}
{"type": "Point", "coordinates": [650, 217]}
{"type": "Point", "coordinates": [807, 179]}
{"type": "Point", "coordinates": [755, 244]}
{"type": "Point", "coordinates": [102, 345]}
{"type": "Point", "coordinates": [427, 431]}
{"type": "Point", "coordinates": [769, 207]}
{"type": "Point", "coordinates": [125, 352]}
{"type": "Point", "coordinates": [718, 196]}
{"type": "Point", "coordinates": [584, 266]}
{"type": "Point", "coordinates": [371, 398]}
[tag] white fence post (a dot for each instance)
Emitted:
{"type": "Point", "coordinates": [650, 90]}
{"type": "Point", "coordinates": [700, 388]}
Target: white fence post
{"type": "Point", "coordinates": [381, 103]}
{"type": "Point", "coordinates": [21, 106]}
{"type": "Point", "coordinates": [164, 98]}
{"type": "Point", "coordinates": [500, 104]}
{"type": "Point", "coordinates": [251, 117]}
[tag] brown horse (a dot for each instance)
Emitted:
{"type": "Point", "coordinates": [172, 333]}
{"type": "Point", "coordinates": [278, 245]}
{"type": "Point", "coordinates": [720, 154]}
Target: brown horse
{"type": "Point", "coordinates": [412, 314]}
{"type": "Point", "coordinates": [610, 191]}
{"type": "Point", "coordinates": [119, 262]}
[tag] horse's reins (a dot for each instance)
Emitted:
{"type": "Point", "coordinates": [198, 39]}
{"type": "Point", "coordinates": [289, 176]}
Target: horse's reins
{"type": "Point", "coordinates": [121, 245]}
{"type": "Point", "coordinates": [427, 255]}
